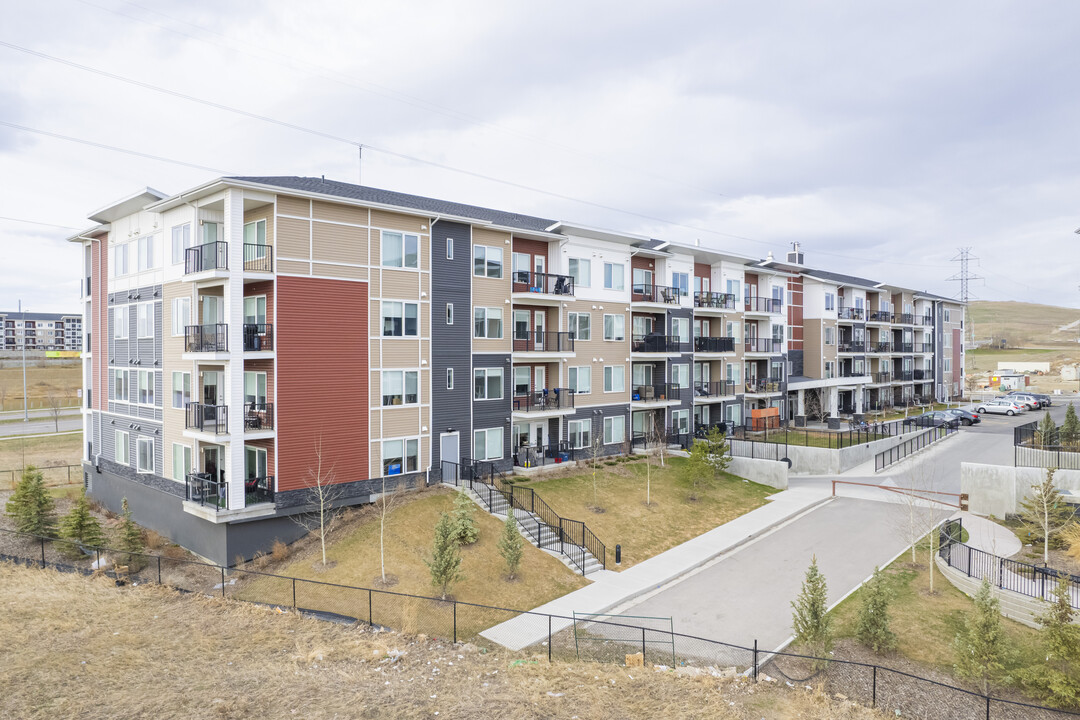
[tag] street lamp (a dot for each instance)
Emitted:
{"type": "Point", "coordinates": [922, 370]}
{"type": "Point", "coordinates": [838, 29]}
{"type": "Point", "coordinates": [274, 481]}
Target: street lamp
{"type": "Point", "coordinates": [25, 401]}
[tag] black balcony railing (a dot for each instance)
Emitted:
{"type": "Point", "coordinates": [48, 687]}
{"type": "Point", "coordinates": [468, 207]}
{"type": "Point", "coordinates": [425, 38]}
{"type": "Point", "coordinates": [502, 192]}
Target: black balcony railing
{"type": "Point", "coordinates": [882, 377]}
{"type": "Point", "coordinates": [714, 344]}
{"type": "Point", "coordinates": [720, 301]}
{"type": "Point", "coordinates": [850, 313]}
{"type": "Point", "coordinates": [641, 292]}
{"type": "Point", "coordinates": [544, 400]}
{"type": "Point", "coordinates": [927, 320]}
{"type": "Point", "coordinates": [258, 336]}
{"type": "Point", "coordinates": [715, 388]}
{"type": "Point", "coordinates": [903, 347]}
{"type": "Point", "coordinates": [904, 376]}
{"type": "Point", "coordinates": [763, 385]}
{"type": "Point", "coordinates": [203, 489]}
{"type": "Point", "coordinates": [756, 303]}
{"type": "Point", "coordinates": [882, 347]}
{"type": "Point", "coordinates": [656, 393]}
{"type": "Point", "coordinates": [538, 282]}
{"type": "Point", "coordinates": [924, 347]}
{"type": "Point", "coordinates": [852, 372]}
{"type": "Point", "coordinates": [258, 258]}
{"type": "Point", "coordinates": [211, 256]}
{"type": "Point", "coordinates": [207, 418]}
{"type": "Point", "coordinates": [258, 490]}
{"type": "Point", "coordinates": [656, 344]}
{"type": "Point", "coordinates": [762, 345]}
{"type": "Point", "coordinates": [880, 316]}
{"type": "Point", "coordinates": [544, 341]}
{"type": "Point", "coordinates": [905, 319]}
{"type": "Point", "coordinates": [852, 347]}
{"type": "Point", "coordinates": [206, 338]}
{"type": "Point", "coordinates": [258, 416]}
{"type": "Point", "coordinates": [922, 375]}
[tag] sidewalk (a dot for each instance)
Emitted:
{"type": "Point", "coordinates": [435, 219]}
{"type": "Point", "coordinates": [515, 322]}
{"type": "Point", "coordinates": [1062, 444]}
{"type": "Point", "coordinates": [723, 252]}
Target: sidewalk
{"type": "Point", "coordinates": [610, 589]}
{"type": "Point", "coordinates": [988, 536]}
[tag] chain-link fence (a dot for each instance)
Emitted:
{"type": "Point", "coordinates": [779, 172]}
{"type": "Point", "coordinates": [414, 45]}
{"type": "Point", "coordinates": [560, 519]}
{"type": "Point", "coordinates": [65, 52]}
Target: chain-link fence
{"type": "Point", "coordinates": [606, 638]}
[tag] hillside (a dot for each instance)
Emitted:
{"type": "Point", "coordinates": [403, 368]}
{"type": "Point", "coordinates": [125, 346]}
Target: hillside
{"type": "Point", "coordinates": [1025, 324]}
{"type": "Point", "coordinates": [151, 652]}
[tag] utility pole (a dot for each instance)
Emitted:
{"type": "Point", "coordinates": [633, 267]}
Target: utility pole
{"type": "Point", "coordinates": [25, 399]}
{"type": "Point", "coordinates": [964, 276]}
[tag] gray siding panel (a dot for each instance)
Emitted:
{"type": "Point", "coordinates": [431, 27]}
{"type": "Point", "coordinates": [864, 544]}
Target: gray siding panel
{"type": "Point", "coordinates": [493, 413]}
{"type": "Point", "coordinates": [597, 413]}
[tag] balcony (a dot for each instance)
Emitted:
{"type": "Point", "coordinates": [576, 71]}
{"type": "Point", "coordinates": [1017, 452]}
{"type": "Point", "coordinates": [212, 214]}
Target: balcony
{"type": "Point", "coordinates": [763, 385]}
{"type": "Point", "coordinates": [206, 338]}
{"type": "Point", "coordinates": [258, 416]}
{"type": "Point", "coordinates": [763, 345]}
{"type": "Point", "coordinates": [544, 341]}
{"type": "Point", "coordinates": [904, 376]}
{"type": "Point", "coordinates": [715, 389]}
{"type": "Point", "coordinates": [654, 294]}
{"type": "Point", "coordinates": [905, 319]}
{"type": "Point", "coordinates": [903, 347]}
{"type": "Point", "coordinates": [213, 419]}
{"type": "Point", "coordinates": [525, 281]}
{"type": "Point", "coordinates": [211, 256]}
{"type": "Point", "coordinates": [258, 258]}
{"type": "Point", "coordinates": [203, 489]}
{"type": "Point", "coordinates": [656, 344]}
{"type": "Point", "coordinates": [924, 347]}
{"type": "Point", "coordinates": [715, 301]}
{"type": "Point", "coordinates": [714, 344]}
{"type": "Point", "coordinates": [664, 392]}
{"type": "Point", "coordinates": [880, 316]}
{"type": "Point", "coordinates": [849, 313]}
{"type": "Point", "coordinates": [881, 378]}
{"type": "Point", "coordinates": [544, 401]}
{"type": "Point", "coordinates": [850, 373]}
{"type": "Point", "coordinates": [258, 490]}
{"type": "Point", "coordinates": [258, 337]}
{"type": "Point", "coordinates": [881, 347]}
{"type": "Point", "coordinates": [851, 347]}
{"type": "Point", "coordinates": [758, 304]}
{"type": "Point", "coordinates": [927, 320]}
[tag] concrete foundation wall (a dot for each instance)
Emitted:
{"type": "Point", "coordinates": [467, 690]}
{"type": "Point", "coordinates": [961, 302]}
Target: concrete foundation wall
{"type": "Point", "coordinates": [823, 461]}
{"type": "Point", "coordinates": [766, 472]}
{"type": "Point", "coordinates": [998, 490]}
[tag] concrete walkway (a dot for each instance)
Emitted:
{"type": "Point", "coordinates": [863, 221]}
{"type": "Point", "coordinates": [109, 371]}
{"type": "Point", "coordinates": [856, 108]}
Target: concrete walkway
{"type": "Point", "coordinates": [988, 536]}
{"type": "Point", "coordinates": [610, 589]}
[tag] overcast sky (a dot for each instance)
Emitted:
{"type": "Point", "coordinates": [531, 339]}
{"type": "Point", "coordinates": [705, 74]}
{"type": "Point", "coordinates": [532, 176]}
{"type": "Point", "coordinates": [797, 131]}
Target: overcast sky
{"type": "Point", "coordinates": [883, 138]}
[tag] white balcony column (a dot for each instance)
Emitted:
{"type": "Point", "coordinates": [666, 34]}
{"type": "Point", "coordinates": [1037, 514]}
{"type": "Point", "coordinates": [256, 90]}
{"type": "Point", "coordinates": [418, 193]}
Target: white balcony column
{"type": "Point", "coordinates": [834, 402]}
{"type": "Point", "coordinates": [234, 367]}
{"type": "Point", "coordinates": [859, 399]}
{"type": "Point", "coordinates": [801, 402]}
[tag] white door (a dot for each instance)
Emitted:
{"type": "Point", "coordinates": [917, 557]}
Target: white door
{"type": "Point", "coordinates": [449, 452]}
{"type": "Point", "coordinates": [539, 323]}
{"type": "Point", "coordinates": [539, 263]}
{"type": "Point", "coordinates": [539, 378]}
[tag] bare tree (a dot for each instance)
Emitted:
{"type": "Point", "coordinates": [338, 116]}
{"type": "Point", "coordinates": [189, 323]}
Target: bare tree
{"type": "Point", "coordinates": [323, 493]}
{"type": "Point", "coordinates": [385, 504]}
{"type": "Point", "coordinates": [595, 451]}
{"type": "Point", "coordinates": [55, 402]}
{"type": "Point", "coordinates": [1045, 512]}
{"type": "Point", "coordinates": [813, 407]}
{"type": "Point", "coordinates": [917, 515]}
{"type": "Point", "coordinates": [3, 393]}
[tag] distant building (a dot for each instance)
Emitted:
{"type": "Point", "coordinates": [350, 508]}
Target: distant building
{"type": "Point", "coordinates": [41, 331]}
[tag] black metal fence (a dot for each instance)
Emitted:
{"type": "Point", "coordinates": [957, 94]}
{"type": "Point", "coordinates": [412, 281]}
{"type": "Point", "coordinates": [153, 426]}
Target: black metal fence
{"type": "Point", "coordinates": [895, 454]}
{"type": "Point", "coordinates": [258, 258]}
{"type": "Point", "coordinates": [1033, 447]}
{"type": "Point", "coordinates": [209, 256]}
{"type": "Point", "coordinates": [206, 338]}
{"type": "Point", "coordinates": [783, 433]}
{"type": "Point", "coordinates": [558, 637]}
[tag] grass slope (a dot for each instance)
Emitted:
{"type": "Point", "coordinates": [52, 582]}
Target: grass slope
{"type": "Point", "coordinates": [1023, 324]}
{"type": "Point", "coordinates": [54, 378]}
{"type": "Point", "coordinates": [40, 452]}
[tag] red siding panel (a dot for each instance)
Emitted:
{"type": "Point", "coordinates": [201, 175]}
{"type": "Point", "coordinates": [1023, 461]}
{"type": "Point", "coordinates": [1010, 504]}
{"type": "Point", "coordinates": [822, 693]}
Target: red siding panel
{"type": "Point", "coordinates": [322, 378]}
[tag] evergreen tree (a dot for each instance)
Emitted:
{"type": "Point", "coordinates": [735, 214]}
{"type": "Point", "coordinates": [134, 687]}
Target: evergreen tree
{"type": "Point", "coordinates": [445, 563]}
{"type": "Point", "coordinates": [716, 453]}
{"type": "Point", "coordinates": [697, 466]}
{"type": "Point", "coordinates": [873, 629]}
{"type": "Point", "coordinates": [80, 527]}
{"type": "Point", "coordinates": [31, 506]}
{"type": "Point", "coordinates": [511, 545]}
{"type": "Point", "coordinates": [980, 646]}
{"type": "Point", "coordinates": [811, 621]}
{"type": "Point", "coordinates": [1046, 433]}
{"type": "Point", "coordinates": [130, 539]}
{"type": "Point", "coordinates": [1057, 680]}
{"type": "Point", "coordinates": [465, 529]}
{"type": "Point", "coordinates": [1069, 433]}
{"type": "Point", "coordinates": [1045, 513]}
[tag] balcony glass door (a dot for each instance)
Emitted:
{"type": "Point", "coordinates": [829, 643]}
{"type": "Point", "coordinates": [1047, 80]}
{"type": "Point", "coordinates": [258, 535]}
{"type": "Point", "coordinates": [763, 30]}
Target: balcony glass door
{"type": "Point", "coordinates": [255, 310]}
{"type": "Point", "coordinates": [255, 388]}
{"type": "Point", "coordinates": [539, 263]}
{"type": "Point", "coordinates": [211, 462]}
{"type": "Point", "coordinates": [539, 378]}
{"type": "Point", "coordinates": [212, 309]}
{"type": "Point", "coordinates": [539, 323]}
{"type": "Point", "coordinates": [210, 388]}
{"type": "Point", "coordinates": [254, 463]}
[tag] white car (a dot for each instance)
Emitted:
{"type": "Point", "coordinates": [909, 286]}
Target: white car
{"type": "Point", "coordinates": [1000, 406]}
{"type": "Point", "coordinates": [1028, 401]}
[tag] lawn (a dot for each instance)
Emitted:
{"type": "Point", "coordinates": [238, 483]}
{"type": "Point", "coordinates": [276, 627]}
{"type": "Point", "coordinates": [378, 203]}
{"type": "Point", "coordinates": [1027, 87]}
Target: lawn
{"type": "Point", "coordinates": [645, 531]}
{"type": "Point", "coordinates": [41, 452]}
{"type": "Point", "coordinates": [58, 378]}
{"type": "Point", "coordinates": [353, 556]}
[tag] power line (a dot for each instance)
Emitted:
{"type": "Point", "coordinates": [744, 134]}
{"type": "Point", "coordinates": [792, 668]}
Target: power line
{"type": "Point", "coordinates": [35, 222]}
{"type": "Point", "coordinates": [964, 276]}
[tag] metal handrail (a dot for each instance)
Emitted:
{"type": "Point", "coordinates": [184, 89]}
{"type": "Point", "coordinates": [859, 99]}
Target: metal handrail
{"type": "Point", "coordinates": [544, 341]}
{"type": "Point", "coordinates": [656, 343]}
{"type": "Point", "coordinates": [644, 292]}
{"type": "Point", "coordinates": [258, 336]}
{"type": "Point", "coordinates": [538, 282]}
{"type": "Point", "coordinates": [210, 256]}
{"type": "Point", "coordinates": [206, 338]}
{"type": "Point", "coordinates": [721, 301]}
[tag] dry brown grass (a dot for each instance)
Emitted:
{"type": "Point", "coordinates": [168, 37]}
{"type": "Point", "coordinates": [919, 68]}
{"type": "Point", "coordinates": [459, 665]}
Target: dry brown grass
{"type": "Point", "coordinates": [41, 452]}
{"type": "Point", "coordinates": [62, 379]}
{"type": "Point", "coordinates": [279, 552]}
{"type": "Point", "coordinates": [150, 652]}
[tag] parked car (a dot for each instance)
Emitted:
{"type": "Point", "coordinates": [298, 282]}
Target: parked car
{"type": "Point", "coordinates": [938, 418]}
{"type": "Point", "coordinates": [1044, 400]}
{"type": "Point", "coordinates": [1028, 401]}
{"type": "Point", "coordinates": [1000, 406]}
{"type": "Point", "coordinates": [966, 416]}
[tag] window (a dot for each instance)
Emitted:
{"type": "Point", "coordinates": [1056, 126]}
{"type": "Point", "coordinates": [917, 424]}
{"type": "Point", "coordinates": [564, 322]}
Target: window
{"type": "Point", "coordinates": [579, 432]}
{"type": "Point", "coordinates": [487, 384]}
{"type": "Point", "coordinates": [120, 322]}
{"type": "Point", "coordinates": [449, 248]}
{"type": "Point", "coordinates": [948, 364]}
{"type": "Point", "coordinates": [521, 380]}
{"type": "Point", "coordinates": [581, 271]}
{"type": "Point", "coordinates": [830, 301]}
{"type": "Point", "coordinates": [830, 369]}
{"type": "Point", "coordinates": [211, 232]}
{"type": "Point", "coordinates": [255, 389]}
{"type": "Point", "coordinates": [487, 323]}
{"type": "Point", "coordinates": [614, 430]}
{"type": "Point", "coordinates": [399, 387]}
{"type": "Point", "coordinates": [449, 313]}
{"type": "Point", "coordinates": [947, 314]}
{"type": "Point", "coordinates": [680, 375]}
{"type": "Point", "coordinates": [181, 241]}
{"type": "Point", "coordinates": [181, 462]}
{"type": "Point", "coordinates": [488, 444]}
{"type": "Point", "coordinates": [400, 250]}
{"type": "Point", "coordinates": [181, 315]}
{"type": "Point", "coordinates": [145, 455]}
{"type": "Point", "coordinates": [680, 421]}
{"type": "Point", "coordinates": [859, 303]}
{"type": "Point", "coordinates": [615, 327]}
{"type": "Point", "coordinates": [613, 276]}
{"type": "Point", "coordinates": [521, 325]}
{"type": "Point", "coordinates": [733, 330]}
{"type": "Point", "coordinates": [146, 252]}
{"type": "Point", "coordinates": [681, 282]}
{"type": "Point", "coordinates": [449, 378]}
{"type": "Point", "coordinates": [614, 378]}
{"type": "Point", "coordinates": [146, 387]}
{"type": "Point", "coordinates": [120, 260]}
{"type": "Point", "coordinates": [399, 319]}
{"type": "Point", "coordinates": [680, 327]}
{"type": "Point", "coordinates": [733, 287]}
{"type": "Point", "coordinates": [120, 385]}
{"type": "Point", "coordinates": [145, 319]}
{"type": "Point", "coordinates": [791, 332]}
{"type": "Point", "coordinates": [829, 333]}
{"type": "Point", "coordinates": [400, 456]}
{"type": "Point", "coordinates": [733, 373]}
{"type": "Point", "coordinates": [121, 448]}
{"type": "Point", "coordinates": [734, 414]}
{"type": "Point", "coordinates": [255, 310]}
{"type": "Point", "coordinates": [947, 338]}
{"type": "Point", "coordinates": [642, 280]}
{"type": "Point", "coordinates": [487, 261]}
{"type": "Point", "coordinates": [181, 387]}
{"type": "Point", "coordinates": [255, 234]}
{"type": "Point", "coordinates": [580, 325]}
{"type": "Point", "coordinates": [579, 379]}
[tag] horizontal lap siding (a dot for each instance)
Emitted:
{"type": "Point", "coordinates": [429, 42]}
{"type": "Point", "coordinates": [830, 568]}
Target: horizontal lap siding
{"type": "Point", "coordinates": [322, 330]}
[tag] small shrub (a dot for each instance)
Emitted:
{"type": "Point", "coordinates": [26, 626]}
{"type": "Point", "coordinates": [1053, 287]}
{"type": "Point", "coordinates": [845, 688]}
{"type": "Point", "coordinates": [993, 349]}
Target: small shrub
{"type": "Point", "coordinates": [154, 540]}
{"type": "Point", "coordinates": [130, 540]}
{"type": "Point", "coordinates": [511, 545]}
{"type": "Point", "coordinates": [31, 506]}
{"type": "Point", "coordinates": [464, 521]}
{"type": "Point", "coordinates": [279, 551]}
{"type": "Point", "coordinates": [445, 563]}
{"type": "Point", "coordinates": [238, 561]}
{"type": "Point", "coordinates": [80, 528]}
{"type": "Point", "coordinates": [260, 560]}
{"type": "Point", "coordinates": [873, 624]}
{"type": "Point", "coordinates": [811, 621]}
{"type": "Point", "coordinates": [980, 645]}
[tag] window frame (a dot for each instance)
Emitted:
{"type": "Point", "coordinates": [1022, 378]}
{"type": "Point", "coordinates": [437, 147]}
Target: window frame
{"type": "Point", "coordinates": [150, 399]}
{"type": "Point", "coordinates": [120, 259]}
{"type": "Point", "coordinates": [609, 378]}
{"type": "Point", "coordinates": [480, 252]}
{"type": "Point", "coordinates": [683, 287]}
{"type": "Point", "coordinates": [125, 311]}
{"type": "Point", "coordinates": [681, 322]}
{"type": "Point", "coordinates": [575, 384]}
{"type": "Point", "coordinates": [141, 309]}
{"type": "Point", "coordinates": [403, 239]}
{"type": "Point", "coordinates": [185, 389]}
{"type": "Point", "coordinates": [449, 313]}
{"type": "Point", "coordinates": [140, 443]}
{"type": "Point", "coordinates": [615, 336]}
{"type": "Point", "coordinates": [609, 426]}
{"type": "Point", "coordinates": [145, 253]}
{"type": "Point", "coordinates": [573, 324]}
{"type": "Point", "coordinates": [583, 433]}
{"type": "Point", "coordinates": [574, 270]}
{"type": "Point", "coordinates": [181, 241]}
{"type": "Point", "coordinates": [449, 248]}
{"type": "Point", "coordinates": [181, 316]}
{"type": "Point", "coordinates": [488, 374]}
{"type": "Point", "coordinates": [487, 314]}
{"type": "Point", "coordinates": [409, 455]}
{"type": "Point", "coordinates": [609, 276]}
{"type": "Point", "coordinates": [127, 447]}
{"type": "Point", "coordinates": [186, 460]}
{"type": "Point", "coordinates": [121, 376]}
{"type": "Point", "coordinates": [488, 434]}
{"type": "Point", "coordinates": [403, 377]}
{"type": "Point", "coordinates": [449, 378]}
{"type": "Point", "coordinates": [402, 318]}
{"type": "Point", "coordinates": [682, 370]}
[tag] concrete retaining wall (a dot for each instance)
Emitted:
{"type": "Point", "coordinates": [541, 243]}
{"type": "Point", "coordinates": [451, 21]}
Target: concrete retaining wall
{"type": "Point", "coordinates": [823, 461]}
{"type": "Point", "coordinates": [999, 489]}
{"type": "Point", "coordinates": [1021, 608]}
{"type": "Point", "coordinates": [767, 472]}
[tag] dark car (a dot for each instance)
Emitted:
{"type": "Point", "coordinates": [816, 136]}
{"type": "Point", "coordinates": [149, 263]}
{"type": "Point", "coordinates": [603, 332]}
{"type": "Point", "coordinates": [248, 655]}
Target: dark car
{"type": "Point", "coordinates": [936, 418]}
{"type": "Point", "coordinates": [966, 416]}
{"type": "Point", "coordinates": [1044, 400]}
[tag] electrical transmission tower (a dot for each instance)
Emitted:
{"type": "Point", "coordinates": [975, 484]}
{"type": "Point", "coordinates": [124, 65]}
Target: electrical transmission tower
{"type": "Point", "coordinates": [964, 276]}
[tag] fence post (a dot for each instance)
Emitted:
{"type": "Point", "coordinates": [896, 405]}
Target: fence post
{"type": "Point", "coordinates": [158, 569]}
{"type": "Point", "coordinates": [455, 622]}
{"type": "Point", "coordinates": [755, 660]}
{"type": "Point", "coordinates": [369, 616]}
{"type": "Point", "coordinates": [549, 638]}
{"type": "Point", "coordinates": [969, 561]}
{"type": "Point", "coordinates": [222, 581]}
{"type": "Point", "coordinates": [643, 647]}
{"type": "Point", "coordinates": [42, 552]}
{"type": "Point", "coordinates": [294, 593]}
{"type": "Point", "coordinates": [987, 707]}
{"type": "Point", "coordinates": [874, 698]}
{"type": "Point", "coordinates": [1001, 572]}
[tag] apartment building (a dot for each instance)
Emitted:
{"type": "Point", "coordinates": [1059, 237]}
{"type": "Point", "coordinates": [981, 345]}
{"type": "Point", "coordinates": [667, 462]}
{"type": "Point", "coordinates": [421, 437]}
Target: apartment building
{"type": "Point", "coordinates": [41, 331]}
{"type": "Point", "coordinates": [255, 336]}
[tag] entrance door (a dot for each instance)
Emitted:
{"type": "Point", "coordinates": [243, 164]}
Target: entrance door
{"type": "Point", "coordinates": [539, 263]}
{"type": "Point", "coordinates": [212, 309]}
{"type": "Point", "coordinates": [539, 323]}
{"type": "Point", "coordinates": [539, 379]}
{"type": "Point", "coordinates": [210, 388]}
{"type": "Point", "coordinates": [449, 452]}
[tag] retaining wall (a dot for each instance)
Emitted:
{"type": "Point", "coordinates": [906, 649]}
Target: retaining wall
{"type": "Point", "coordinates": [999, 489]}
{"type": "Point", "coordinates": [1021, 608]}
{"type": "Point", "coordinates": [825, 461]}
{"type": "Point", "coordinates": [767, 472]}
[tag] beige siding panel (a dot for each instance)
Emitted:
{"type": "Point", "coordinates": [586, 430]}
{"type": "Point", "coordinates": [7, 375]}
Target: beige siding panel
{"type": "Point", "coordinates": [293, 268]}
{"type": "Point", "coordinates": [375, 325]}
{"type": "Point", "coordinates": [294, 238]}
{"type": "Point", "coordinates": [376, 247]}
{"type": "Point", "coordinates": [404, 284]}
{"type": "Point", "coordinates": [376, 456]}
{"type": "Point", "coordinates": [425, 318]}
{"type": "Point", "coordinates": [293, 206]}
{"type": "Point", "coordinates": [376, 389]}
{"type": "Point", "coordinates": [397, 422]}
{"type": "Point", "coordinates": [339, 243]}
{"type": "Point", "coordinates": [396, 221]}
{"type": "Point", "coordinates": [425, 394]}
{"type": "Point", "coordinates": [340, 271]}
{"type": "Point", "coordinates": [812, 338]}
{"type": "Point", "coordinates": [172, 349]}
{"type": "Point", "coordinates": [340, 213]}
{"type": "Point", "coordinates": [375, 278]}
{"type": "Point", "coordinates": [425, 282]}
{"type": "Point", "coordinates": [401, 353]}
{"type": "Point", "coordinates": [425, 353]}
{"type": "Point", "coordinates": [266, 212]}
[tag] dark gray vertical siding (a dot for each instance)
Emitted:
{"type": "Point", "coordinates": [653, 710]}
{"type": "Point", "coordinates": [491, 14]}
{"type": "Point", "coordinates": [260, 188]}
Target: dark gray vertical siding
{"type": "Point", "coordinates": [451, 345]}
{"type": "Point", "coordinates": [492, 413]}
